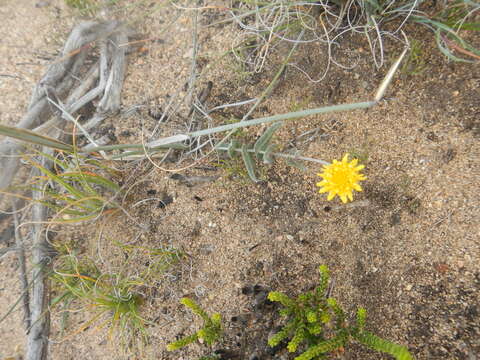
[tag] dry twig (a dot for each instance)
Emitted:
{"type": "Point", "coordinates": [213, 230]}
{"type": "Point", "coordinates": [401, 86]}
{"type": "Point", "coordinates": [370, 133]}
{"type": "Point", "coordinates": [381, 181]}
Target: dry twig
{"type": "Point", "coordinates": [22, 269]}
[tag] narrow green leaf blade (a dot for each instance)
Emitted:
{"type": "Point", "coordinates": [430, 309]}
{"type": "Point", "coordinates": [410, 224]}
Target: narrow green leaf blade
{"type": "Point", "coordinates": [263, 141]}
{"type": "Point", "coordinates": [33, 138]}
{"type": "Point", "coordinates": [249, 163]}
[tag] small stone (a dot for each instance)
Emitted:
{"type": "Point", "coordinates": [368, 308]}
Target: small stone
{"type": "Point", "coordinates": [41, 4]}
{"type": "Point", "coordinates": [207, 249]}
{"type": "Point", "coordinates": [408, 287]}
{"type": "Point", "coordinates": [449, 155]}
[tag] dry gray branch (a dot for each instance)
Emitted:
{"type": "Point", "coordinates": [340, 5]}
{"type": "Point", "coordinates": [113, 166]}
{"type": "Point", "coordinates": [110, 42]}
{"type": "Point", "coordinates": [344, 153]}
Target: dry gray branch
{"type": "Point", "coordinates": [73, 56]}
{"type": "Point", "coordinates": [37, 340]}
{"type": "Point", "coordinates": [22, 268]}
{"type": "Point", "coordinates": [60, 88]}
{"type": "Point", "coordinates": [59, 80]}
{"type": "Point", "coordinates": [111, 98]}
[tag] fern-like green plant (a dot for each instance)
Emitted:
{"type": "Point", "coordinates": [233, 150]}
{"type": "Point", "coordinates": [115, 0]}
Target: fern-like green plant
{"type": "Point", "coordinates": [209, 333]}
{"type": "Point", "coordinates": [311, 315]}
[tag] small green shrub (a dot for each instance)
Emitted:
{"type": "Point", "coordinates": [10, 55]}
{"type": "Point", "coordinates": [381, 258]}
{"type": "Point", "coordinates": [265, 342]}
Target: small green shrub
{"type": "Point", "coordinates": [158, 260]}
{"type": "Point", "coordinates": [79, 188]}
{"type": "Point", "coordinates": [318, 325]}
{"type": "Point", "coordinates": [112, 298]}
{"type": "Point", "coordinates": [110, 293]}
{"type": "Point", "coordinates": [211, 331]}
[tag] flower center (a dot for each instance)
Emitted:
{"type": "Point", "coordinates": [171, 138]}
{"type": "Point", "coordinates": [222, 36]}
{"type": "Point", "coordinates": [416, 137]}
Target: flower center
{"type": "Point", "coordinates": [341, 178]}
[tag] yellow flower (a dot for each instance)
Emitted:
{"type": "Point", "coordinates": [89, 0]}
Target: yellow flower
{"type": "Point", "coordinates": [341, 178]}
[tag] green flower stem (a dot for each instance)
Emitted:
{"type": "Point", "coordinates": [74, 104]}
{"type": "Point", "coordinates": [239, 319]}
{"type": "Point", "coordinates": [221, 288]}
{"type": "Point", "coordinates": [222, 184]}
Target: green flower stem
{"type": "Point", "coordinates": [259, 121]}
{"type": "Point", "coordinates": [279, 117]}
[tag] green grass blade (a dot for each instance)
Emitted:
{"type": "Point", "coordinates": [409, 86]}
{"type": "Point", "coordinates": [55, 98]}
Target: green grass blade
{"type": "Point", "coordinates": [93, 179]}
{"type": "Point", "coordinates": [71, 189]}
{"type": "Point", "coordinates": [234, 144]}
{"type": "Point", "coordinates": [33, 138]}
{"type": "Point", "coordinates": [287, 116]}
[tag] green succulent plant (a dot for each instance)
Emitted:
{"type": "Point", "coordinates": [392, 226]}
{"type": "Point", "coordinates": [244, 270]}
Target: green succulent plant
{"type": "Point", "coordinates": [317, 325]}
{"type": "Point", "coordinates": [209, 333]}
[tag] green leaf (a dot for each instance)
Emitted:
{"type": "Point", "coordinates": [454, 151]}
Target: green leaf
{"type": "Point", "coordinates": [182, 342]}
{"type": "Point", "coordinates": [294, 162]}
{"type": "Point", "coordinates": [296, 340]}
{"type": "Point", "coordinates": [263, 141]}
{"type": "Point", "coordinates": [234, 144]}
{"type": "Point", "coordinates": [76, 193]}
{"type": "Point", "coordinates": [312, 317]}
{"type": "Point", "coordinates": [361, 318]}
{"type": "Point", "coordinates": [93, 179]}
{"type": "Point", "coordinates": [332, 303]}
{"type": "Point", "coordinates": [324, 347]}
{"type": "Point", "coordinates": [374, 342]}
{"type": "Point", "coordinates": [451, 34]}
{"type": "Point", "coordinates": [282, 334]}
{"type": "Point", "coordinates": [324, 278]}
{"type": "Point", "coordinates": [34, 138]}
{"type": "Point", "coordinates": [267, 155]}
{"type": "Point", "coordinates": [249, 163]}
{"type": "Point", "coordinates": [281, 298]}
{"type": "Point", "coordinates": [196, 309]}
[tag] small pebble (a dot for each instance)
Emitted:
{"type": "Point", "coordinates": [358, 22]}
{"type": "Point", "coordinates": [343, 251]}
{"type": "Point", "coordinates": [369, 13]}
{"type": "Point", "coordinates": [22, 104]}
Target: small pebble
{"type": "Point", "coordinates": [41, 4]}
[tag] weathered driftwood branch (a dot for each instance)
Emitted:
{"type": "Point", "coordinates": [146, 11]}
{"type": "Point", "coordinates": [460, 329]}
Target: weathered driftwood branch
{"type": "Point", "coordinates": [59, 80]}
{"type": "Point", "coordinates": [73, 56]}
{"type": "Point", "coordinates": [57, 90]}
{"type": "Point", "coordinates": [22, 268]}
{"type": "Point", "coordinates": [37, 339]}
{"type": "Point", "coordinates": [110, 71]}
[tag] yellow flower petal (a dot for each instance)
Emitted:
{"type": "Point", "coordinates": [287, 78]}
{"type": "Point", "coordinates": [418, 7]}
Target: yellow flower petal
{"type": "Point", "coordinates": [357, 187]}
{"type": "Point", "coordinates": [341, 178]}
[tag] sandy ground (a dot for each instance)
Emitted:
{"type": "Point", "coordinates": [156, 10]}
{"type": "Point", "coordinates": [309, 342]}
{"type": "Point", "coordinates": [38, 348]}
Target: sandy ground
{"type": "Point", "coordinates": [407, 250]}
